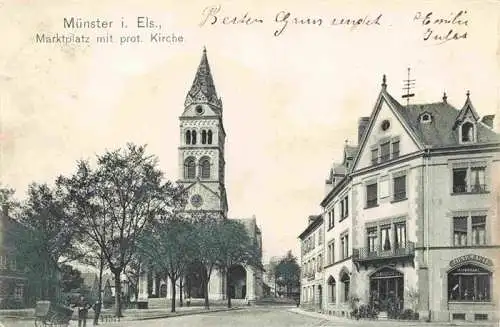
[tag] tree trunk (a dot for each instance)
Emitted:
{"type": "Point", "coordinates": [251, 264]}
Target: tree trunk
{"type": "Point", "coordinates": [181, 304]}
{"type": "Point", "coordinates": [118, 294]}
{"type": "Point", "coordinates": [101, 268]}
{"type": "Point", "coordinates": [205, 291]}
{"type": "Point", "coordinates": [228, 289]}
{"type": "Point", "coordinates": [172, 282]}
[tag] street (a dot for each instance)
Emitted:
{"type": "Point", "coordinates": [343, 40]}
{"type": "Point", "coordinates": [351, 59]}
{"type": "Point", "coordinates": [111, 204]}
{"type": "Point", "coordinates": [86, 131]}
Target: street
{"type": "Point", "coordinates": [248, 317]}
{"type": "Point", "coordinates": [259, 316]}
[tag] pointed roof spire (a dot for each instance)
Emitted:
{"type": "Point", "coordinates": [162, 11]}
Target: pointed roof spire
{"type": "Point", "coordinates": [466, 108]}
{"type": "Point", "coordinates": [384, 82]}
{"type": "Point", "coordinates": [203, 89]}
{"type": "Point", "coordinates": [445, 97]}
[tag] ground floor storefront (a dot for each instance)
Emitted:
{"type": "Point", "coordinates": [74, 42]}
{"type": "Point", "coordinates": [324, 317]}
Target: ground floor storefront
{"type": "Point", "coordinates": [462, 285]}
{"type": "Point", "coordinates": [456, 285]}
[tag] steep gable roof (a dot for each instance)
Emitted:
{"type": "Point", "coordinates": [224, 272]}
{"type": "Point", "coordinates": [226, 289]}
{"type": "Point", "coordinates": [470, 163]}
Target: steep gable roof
{"type": "Point", "coordinates": [440, 130]}
{"type": "Point", "coordinates": [393, 105]}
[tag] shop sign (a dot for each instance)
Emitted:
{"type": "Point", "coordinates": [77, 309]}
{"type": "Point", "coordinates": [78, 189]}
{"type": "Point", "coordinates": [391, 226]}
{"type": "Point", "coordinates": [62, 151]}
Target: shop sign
{"type": "Point", "coordinates": [469, 258]}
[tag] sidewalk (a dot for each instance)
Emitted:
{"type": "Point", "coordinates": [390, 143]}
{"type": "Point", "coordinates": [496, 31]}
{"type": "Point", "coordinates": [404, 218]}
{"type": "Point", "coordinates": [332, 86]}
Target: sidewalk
{"type": "Point", "coordinates": [368, 322]}
{"type": "Point", "coordinates": [128, 315]}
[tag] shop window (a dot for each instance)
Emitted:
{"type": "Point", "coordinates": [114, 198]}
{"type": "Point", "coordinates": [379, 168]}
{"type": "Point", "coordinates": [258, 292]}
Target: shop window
{"type": "Point", "coordinates": [469, 283]}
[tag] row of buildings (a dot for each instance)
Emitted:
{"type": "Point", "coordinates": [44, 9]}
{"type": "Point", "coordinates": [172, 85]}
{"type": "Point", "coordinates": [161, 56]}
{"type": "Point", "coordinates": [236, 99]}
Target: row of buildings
{"type": "Point", "coordinates": [410, 216]}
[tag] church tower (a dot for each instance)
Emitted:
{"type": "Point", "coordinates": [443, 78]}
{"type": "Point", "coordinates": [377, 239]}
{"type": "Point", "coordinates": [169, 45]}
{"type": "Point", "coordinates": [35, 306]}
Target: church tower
{"type": "Point", "coordinates": [201, 150]}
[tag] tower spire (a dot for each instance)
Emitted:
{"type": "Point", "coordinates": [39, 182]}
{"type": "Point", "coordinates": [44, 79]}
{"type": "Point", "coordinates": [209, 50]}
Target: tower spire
{"type": "Point", "coordinates": [203, 89]}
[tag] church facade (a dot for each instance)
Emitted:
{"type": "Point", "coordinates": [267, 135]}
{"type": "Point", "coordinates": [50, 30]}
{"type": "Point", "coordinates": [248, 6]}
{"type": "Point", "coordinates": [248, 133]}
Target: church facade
{"type": "Point", "coordinates": [202, 175]}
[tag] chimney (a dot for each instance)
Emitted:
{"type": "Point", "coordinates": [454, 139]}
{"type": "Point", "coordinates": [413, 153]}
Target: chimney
{"type": "Point", "coordinates": [312, 219]}
{"type": "Point", "coordinates": [362, 125]}
{"type": "Point", "coordinates": [488, 120]}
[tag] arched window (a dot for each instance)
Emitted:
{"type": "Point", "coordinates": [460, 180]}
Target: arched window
{"type": "Point", "coordinates": [467, 132]}
{"type": "Point", "coordinates": [332, 290]}
{"type": "Point", "coordinates": [346, 282]}
{"type": "Point", "coordinates": [188, 137]}
{"type": "Point", "coordinates": [193, 137]}
{"type": "Point", "coordinates": [209, 137]}
{"type": "Point", "coordinates": [189, 168]}
{"type": "Point", "coordinates": [469, 283]}
{"type": "Point", "coordinates": [204, 137]}
{"type": "Point", "coordinates": [205, 168]}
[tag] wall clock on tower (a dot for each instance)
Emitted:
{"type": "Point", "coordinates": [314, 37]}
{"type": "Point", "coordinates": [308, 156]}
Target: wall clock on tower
{"type": "Point", "coordinates": [196, 200]}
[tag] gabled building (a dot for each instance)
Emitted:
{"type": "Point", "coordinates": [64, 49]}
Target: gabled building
{"type": "Point", "coordinates": [311, 262]}
{"type": "Point", "coordinates": [410, 222]}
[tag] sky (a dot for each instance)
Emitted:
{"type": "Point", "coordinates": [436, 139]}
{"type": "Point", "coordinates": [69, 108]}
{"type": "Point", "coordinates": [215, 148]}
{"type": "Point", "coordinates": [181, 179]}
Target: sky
{"type": "Point", "coordinates": [290, 101]}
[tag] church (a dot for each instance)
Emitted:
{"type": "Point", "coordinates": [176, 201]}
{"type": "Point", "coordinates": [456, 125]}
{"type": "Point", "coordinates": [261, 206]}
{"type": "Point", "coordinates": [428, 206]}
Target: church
{"type": "Point", "coordinates": [202, 174]}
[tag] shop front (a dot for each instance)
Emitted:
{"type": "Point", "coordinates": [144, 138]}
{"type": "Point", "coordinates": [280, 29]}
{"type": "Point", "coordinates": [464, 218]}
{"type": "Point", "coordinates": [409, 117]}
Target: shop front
{"type": "Point", "coordinates": [467, 290]}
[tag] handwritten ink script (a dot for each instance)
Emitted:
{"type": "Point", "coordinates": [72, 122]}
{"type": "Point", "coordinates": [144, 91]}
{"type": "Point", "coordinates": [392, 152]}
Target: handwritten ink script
{"type": "Point", "coordinates": [213, 15]}
{"type": "Point", "coordinates": [441, 29]}
{"type": "Point", "coordinates": [438, 29]}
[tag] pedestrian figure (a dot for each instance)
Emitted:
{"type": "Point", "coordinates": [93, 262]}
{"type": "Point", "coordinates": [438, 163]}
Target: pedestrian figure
{"type": "Point", "coordinates": [83, 309]}
{"type": "Point", "coordinates": [97, 312]}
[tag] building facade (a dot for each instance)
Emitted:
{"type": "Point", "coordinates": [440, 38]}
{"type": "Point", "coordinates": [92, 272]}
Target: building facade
{"type": "Point", "coordinates": [312, 264]}
{"type": "Point", "coordinates": [13, 280]}
{"type": "Point", "coordinates": [202, 175]}
{"type": "Point", "coordinates": [421, 193]}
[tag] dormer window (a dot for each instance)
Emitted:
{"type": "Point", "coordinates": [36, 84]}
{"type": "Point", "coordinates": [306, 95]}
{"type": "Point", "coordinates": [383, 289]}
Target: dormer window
{"type": "Point", "coordinates": [426, 118]}
{"type": "Point", "coordinates": [467, 132]}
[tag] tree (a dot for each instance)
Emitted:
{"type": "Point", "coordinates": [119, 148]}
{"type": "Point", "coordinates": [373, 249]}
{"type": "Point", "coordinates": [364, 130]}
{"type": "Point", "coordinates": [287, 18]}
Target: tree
{"type": "Point", "coordinates": [133, 272]}
{"type": "Point", "coordinates": [207, 247]}
{"type": "Point", "coordinates": [235, 247]}
{"type": "Point", "coordinates": [170, 248]}
{"type": "Point", "coordinates": [71, 278]}
{"type": "Point", "coordinates": [49, 236]}
{"type": "Point", "coordinates": [116, 201]}
{"type": "Point", "coordinates": [288, 272]}
{"type": "Point", "coordinates": [7, 201]}
{"type": "Point", "coordinates": [272, 272]}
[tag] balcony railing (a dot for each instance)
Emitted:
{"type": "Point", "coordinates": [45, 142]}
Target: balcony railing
{"type": "Point", "coordinates": [474, 188]}
{"type": "Point", "coordinates": [366, 254]}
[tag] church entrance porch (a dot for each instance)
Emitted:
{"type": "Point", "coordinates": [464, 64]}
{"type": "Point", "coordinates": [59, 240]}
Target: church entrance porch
{"type": "Point", "coordinates": [237, 282]}
{"type": "Point", "coordinates": [194, 284]}
{"type": "Point", "coordinates": [387, 290]}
